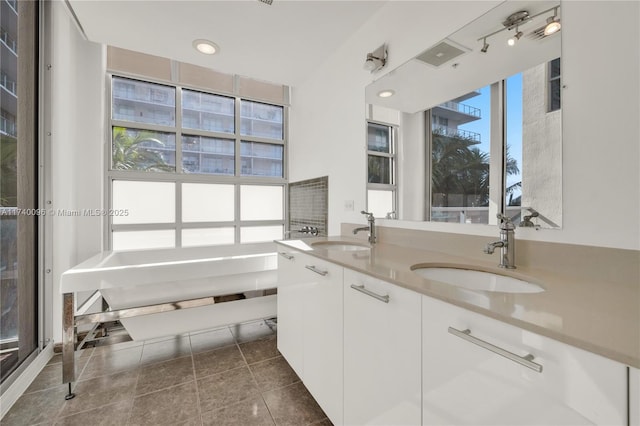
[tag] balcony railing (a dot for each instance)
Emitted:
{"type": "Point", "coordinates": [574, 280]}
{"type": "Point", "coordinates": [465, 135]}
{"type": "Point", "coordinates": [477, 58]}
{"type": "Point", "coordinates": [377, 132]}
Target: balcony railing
{"type": "Point", "coordinates": [457, 133]}
{"type": "Point", "coordinates": [10, 42]}
{"type": "Point", "coordinates": [8, 84]}
{"type": "Point", "coordinates": [13, 4]}
{"type": "Point", "coordinates": [462, 108]}
{"type": "Point", "coordinates": [8, 127]}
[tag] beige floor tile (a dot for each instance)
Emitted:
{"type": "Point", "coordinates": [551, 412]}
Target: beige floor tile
{"type": "Point", "coordinates": [251, 412]}
{"type": "Point", "coordinates": [166, 407]}
{"type": "Point", "coordinates": [260, 350]}
{"type": "Point", "coordinates": [209, 340]}
{"type": "Point", "coordinates": [230, 387]}
{"type": "Point", "coordinates": [273, 373]}
{"type": "Point", "coordinates": [165, 374]}
{"type": "Point", "coordinates": [109, 415]}
{"type": "Point", "coordinates": [101, 391]}
{"type": "Point", "coordinates": [104, 363]}
{"type": "Point", "coordinates": [165, 350]}
{"type": "Point", "coordinates": [293, 406]}
{"type": "Point", "coordinates": [36, 407]}
{"type": "Point", "coordinates": [217, 361]}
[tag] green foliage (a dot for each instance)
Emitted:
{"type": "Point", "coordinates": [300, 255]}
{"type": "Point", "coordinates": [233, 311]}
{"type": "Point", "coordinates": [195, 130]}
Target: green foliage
{"type": "Point", "coordinates": [460, 172]}
{"type": "Point", "coordinates": [8, 171]}
{"type": "Point", "coordinates": [136, 152]}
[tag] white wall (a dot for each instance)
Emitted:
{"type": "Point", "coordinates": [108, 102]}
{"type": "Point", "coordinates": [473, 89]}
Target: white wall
{"type": "Point", "coordinates": [600, 106]}
{"type": "Point", "coordinates": [77, 141]}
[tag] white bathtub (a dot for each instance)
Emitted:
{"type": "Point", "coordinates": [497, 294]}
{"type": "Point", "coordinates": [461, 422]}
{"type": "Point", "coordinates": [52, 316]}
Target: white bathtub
{"type": "Point", "coordinates": [138, 278]}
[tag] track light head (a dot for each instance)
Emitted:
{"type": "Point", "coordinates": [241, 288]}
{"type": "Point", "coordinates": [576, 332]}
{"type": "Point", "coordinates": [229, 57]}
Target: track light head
{"type": "Point", "coordinates": [485, 46]}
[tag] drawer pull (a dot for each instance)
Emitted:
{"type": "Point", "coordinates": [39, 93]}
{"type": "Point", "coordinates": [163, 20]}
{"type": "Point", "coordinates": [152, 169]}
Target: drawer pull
{"type": "Point", "coordinates": [522, 360]}
{"type": "Point", "coordinates": [361, 289]}
{"type": "Point", "coordinates": [316, 270]}
{"type": "Point", "coordinates": [285, 255]}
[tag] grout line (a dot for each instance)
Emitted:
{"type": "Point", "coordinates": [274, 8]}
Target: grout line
{"type": "Point", "coordinates": [195, 381]}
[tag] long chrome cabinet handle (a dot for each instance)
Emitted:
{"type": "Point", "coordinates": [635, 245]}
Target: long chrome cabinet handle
{"type": "Point", "coordinates": [362, 289]}
{"type": "Point", "coordinates": [285, 255]}
{"type": "Point", "coordinates": [316, 270]}
{"type": "Point", "coordinates": [522, 360]}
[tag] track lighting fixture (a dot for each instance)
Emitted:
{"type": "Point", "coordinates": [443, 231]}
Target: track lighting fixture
{"type": "Point", "coordinates": [376, 59]}
{"type": "Point", "coordinates": [516, 19]}
{"type": "Point", "coordinates": [553, 23]}
{"type": "Point", "coordinates": [485, 46]}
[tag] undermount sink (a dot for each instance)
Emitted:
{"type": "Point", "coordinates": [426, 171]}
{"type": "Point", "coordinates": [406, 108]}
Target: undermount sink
{"type": "Point", "coordinates": [340, 245]}
{"type": "Point", "coordinates": [476, 280]}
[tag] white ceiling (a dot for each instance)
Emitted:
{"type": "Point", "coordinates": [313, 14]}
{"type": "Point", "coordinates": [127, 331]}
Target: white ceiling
{"type": "Point", "coordinates": [281, 43]}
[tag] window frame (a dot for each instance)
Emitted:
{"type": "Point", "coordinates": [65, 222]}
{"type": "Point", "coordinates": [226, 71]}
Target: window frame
{"type": "Point", "coordinates": [392, 156]}
{"type": "Point", "coordinates": [550, 80]}
{"type": "Point", "coordinates": [179, 177]}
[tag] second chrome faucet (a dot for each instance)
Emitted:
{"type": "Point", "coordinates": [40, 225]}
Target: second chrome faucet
{"type": "Point", "coordinates": [507, 243]}
{"type": "Point", "coordinates": [371, 228]}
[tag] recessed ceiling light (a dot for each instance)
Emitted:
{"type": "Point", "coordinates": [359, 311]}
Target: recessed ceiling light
{"type": "Point", "coordinates": [205, 46]}
{"type": "Point", "coordinates": [386, 93]}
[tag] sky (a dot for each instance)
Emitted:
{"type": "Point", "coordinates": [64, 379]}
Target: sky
{"type": "Point", "coordinates": [513, 120]}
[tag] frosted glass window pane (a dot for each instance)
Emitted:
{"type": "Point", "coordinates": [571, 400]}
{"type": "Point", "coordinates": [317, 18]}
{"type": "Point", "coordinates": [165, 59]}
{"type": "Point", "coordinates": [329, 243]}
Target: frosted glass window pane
{"type": "Point", "coordinates": [138, 240]}
{"type": "Point", "coordinates": [203, 202]}
{"type": "Point", "coordinates": [258, 234]}
{"type": "Point", "coordinates": [143, 102]}
{"type": "Point", "coordinates": [146, 202]}
{"type": "Point", "coordinates": [261, 202]}
{"type": "Point", "coordinates": [207, 236]}
{"type": "Point", "coordinates": [379, 202]}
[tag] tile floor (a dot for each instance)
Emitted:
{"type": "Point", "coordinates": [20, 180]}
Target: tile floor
{"type": "Point", "coordinates": [228, 376]}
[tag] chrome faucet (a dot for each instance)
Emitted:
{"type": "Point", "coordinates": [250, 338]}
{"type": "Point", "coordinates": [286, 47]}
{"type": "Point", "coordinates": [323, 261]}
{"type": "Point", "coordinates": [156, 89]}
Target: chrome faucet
{"type": "Point", "coordinates": [507, 243]}
{"type": "Point", "coordinates": [371, 228]}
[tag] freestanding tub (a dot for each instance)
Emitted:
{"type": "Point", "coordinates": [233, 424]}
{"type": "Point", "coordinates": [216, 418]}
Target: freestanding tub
{"type": "Point", "coordinates": [156, 293]}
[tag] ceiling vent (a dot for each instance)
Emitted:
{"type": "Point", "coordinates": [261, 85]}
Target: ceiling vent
{"type": "Point", "coordinates": [269, 2]}
{"type": "Point", "coordinates": [441, 53]}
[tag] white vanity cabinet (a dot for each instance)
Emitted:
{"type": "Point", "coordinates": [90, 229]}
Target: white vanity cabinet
{"type": "Point", "coordinates": [466, 381]}
{"type": "Point", "coordinates": [381, 352]}
{"type": "Point", "coordinates": [634, 397]}
{"type": "Point", "coordinates": [310, 326]}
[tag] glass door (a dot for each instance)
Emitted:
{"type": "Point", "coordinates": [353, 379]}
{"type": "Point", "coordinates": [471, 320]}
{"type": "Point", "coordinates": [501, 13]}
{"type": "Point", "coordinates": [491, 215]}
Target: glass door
{"type": "Point", "coordinates": [18, 183]}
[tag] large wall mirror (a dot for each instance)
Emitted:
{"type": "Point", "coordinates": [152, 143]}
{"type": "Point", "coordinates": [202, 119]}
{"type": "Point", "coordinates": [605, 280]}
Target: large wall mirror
{"type": "Point", "coordinates": [472, 126]}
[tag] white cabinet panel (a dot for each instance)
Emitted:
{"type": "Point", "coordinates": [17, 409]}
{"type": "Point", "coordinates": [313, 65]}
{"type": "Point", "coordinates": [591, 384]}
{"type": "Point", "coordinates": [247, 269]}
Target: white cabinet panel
{"type": "Point", "coordinates": [291, 309]}
{"type": "Point", "coordinates": [381, 353]}
{"type": "Point", "coordinates": [634, 397]}
{"type": "Point", "coordinates": [466, 384]}
{"type": "Point", "coordinates": [310, 326]}
{"type": "Point", "coordinates": [323, 326]}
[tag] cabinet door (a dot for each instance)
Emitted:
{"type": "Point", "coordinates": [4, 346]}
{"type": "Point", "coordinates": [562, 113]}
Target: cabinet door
{"type": "Point", "coordinates": [381, 352]}
{"type": "Point", "coordinates": [466, 382]}
{"type": "Point", "coordinates": [322, 340]}
{"type": "Point", "coordinates": [634, 396]}
{"type": "Point", "coordinates": [291, 309]}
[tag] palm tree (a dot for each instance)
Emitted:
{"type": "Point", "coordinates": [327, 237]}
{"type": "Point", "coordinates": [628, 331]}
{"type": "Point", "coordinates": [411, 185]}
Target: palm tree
{"type": "Point", "coordinates": [460, 168]}
{"type": "Point", "coordinates": [136, 151]}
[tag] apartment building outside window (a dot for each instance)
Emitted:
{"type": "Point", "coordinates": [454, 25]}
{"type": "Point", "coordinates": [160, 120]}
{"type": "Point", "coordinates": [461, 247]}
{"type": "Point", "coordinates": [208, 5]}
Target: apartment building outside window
{"type": "Point", "coordinates": [189, 167]}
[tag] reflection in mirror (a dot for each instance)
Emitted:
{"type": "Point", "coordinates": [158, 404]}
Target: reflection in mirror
{"type": "Point", "coordinates": [478, 133]}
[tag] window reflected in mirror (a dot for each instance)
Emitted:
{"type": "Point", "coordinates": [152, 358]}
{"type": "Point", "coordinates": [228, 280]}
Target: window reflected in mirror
{"type": "Point", "coordinates": [381, 170]}
{"type": "Point", "coordinates": [460, 154]}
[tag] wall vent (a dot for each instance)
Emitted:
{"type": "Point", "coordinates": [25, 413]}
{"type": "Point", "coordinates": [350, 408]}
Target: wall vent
{"type": "Point", "coordinates": [441, 53]}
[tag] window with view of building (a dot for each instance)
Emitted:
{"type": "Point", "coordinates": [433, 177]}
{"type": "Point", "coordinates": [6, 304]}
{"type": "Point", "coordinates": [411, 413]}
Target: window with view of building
{"type": "Point", "coordinates": [381, 189]}
{"type": "Point", "coordinates": [554, 85]}
{"type": "Point", "coordinates": [190, 167]}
